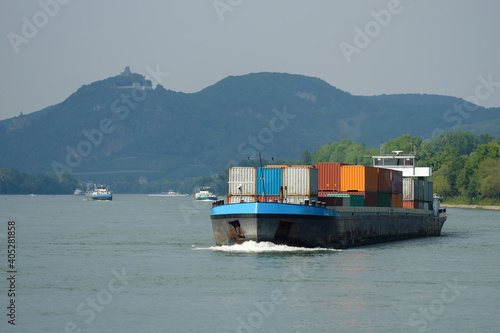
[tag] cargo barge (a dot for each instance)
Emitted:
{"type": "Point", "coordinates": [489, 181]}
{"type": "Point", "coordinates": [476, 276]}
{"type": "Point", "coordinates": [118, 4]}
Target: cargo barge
{"type": "Point", "coordinates": [301, 214]}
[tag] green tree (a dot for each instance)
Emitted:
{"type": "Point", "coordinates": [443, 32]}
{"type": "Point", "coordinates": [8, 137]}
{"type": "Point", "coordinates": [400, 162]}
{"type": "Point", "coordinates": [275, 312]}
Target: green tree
{"type": "Point", "coordinates": [406, 143]}
{"type": "Point", "coordinates": [489, 178]}
{"type": "Point", "coordinates": [306, 157]}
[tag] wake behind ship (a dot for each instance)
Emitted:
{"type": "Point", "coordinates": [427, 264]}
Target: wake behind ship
{"type": "Point", "coordinates": [332, 205]}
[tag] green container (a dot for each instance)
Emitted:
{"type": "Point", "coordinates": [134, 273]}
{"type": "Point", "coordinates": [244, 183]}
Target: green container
{"type": "Point", "coordinates": [384, 199]}
{"type": "Point", "coordinates": [338, 195]}
{"type": "Point", "coordinates": [357, 200]}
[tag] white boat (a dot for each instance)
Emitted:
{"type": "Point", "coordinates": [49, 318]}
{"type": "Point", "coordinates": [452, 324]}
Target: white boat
{"type": "Point", "coordinates": [99, 192]}
{"type": "Point", "coordinates": [78, 192]}
{"type": "Point", "coordinates": [204, 194]}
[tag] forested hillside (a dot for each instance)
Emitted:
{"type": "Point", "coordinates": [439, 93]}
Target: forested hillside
{"type": "Point", "coordinates": [121, 130]}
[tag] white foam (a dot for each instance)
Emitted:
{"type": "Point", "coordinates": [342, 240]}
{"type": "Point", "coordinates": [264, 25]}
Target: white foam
{"type": "Point", "coordinates": [263, 247]}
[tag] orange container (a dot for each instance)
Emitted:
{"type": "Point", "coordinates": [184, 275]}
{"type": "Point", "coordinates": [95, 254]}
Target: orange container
{"type": "Point", "coordinates": [397, 200]}
{"type": "Point", "coordinates": [409, 204]}
{"type": "Point", "coordinates": [277, 166]}
{"type": "Point", "coordinates": [329, 176]}
{"type": "Point", "coordinates": [384, 180]}
{"type": "Point", "coordinates": [358, 178]}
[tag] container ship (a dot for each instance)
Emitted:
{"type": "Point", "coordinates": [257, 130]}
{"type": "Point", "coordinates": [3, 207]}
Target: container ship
{"type": "Point", "coordinates": [333, 205]}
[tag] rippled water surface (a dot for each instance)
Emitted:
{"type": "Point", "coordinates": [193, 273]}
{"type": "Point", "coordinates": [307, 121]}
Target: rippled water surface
{"type": "Point", "coordinates": [149, 264]}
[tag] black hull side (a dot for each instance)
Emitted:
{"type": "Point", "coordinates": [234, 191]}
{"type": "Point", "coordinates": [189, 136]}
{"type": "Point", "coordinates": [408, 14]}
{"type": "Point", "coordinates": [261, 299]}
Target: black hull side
{"type": "Point", "coordinates": [340, 231]}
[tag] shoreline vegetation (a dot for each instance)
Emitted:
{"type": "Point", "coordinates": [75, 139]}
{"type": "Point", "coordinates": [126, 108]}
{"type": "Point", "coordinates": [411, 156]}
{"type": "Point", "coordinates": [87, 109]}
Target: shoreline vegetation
{"type": "Point", "coordinates": [488, 207]}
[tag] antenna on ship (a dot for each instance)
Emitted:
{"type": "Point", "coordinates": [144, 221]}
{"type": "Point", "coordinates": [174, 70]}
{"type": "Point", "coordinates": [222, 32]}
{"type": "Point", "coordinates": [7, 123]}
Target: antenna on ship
{"type": "Point", "coordinates": [263, 182]}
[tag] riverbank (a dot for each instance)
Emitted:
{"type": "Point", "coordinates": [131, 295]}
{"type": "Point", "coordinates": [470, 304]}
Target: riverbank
{"type": "Point", "coordinates": [470, 206]}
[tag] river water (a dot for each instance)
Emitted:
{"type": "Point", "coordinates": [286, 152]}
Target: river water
{"type": "Point", "coordinates": [149, 264]}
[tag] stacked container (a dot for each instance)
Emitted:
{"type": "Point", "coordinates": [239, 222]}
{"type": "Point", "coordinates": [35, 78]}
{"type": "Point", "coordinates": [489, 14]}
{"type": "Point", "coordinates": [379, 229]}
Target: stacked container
{"type": "Point", "coordinates": [246, 177]}
{"type": "Point", "coordinates": [329, 177]}
{"type": "Point", "coordinates": [384, 180]}
{"type": "Point", "coordinates": [269, 180]}
{"type": "Point", "coordinates": [417, 193]}
{"type": "Point", "coordinates": [358, 178]}
{"type": "Point", "coordinates": [301, 181]}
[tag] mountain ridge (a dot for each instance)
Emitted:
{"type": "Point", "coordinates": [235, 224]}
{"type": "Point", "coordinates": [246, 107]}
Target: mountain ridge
{"type": "Point", "coordinates": [146, 132]}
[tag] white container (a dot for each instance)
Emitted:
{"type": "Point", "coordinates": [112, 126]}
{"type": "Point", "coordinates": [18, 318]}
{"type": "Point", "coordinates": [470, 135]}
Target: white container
{"type": "Point", "coordinates": [410, 189]}
{"type": "Point", "coordinates": [244, 176]}
{"type": "Point", "coordinates": [299, 199]}
{"type": "Point", "coordinates": [300, 181]}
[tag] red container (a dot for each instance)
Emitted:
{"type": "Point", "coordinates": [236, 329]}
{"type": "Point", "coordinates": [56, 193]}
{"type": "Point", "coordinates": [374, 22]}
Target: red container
{"type": "Point", "coordinates": [396, 182]}
{"type": "Point", "coordinates": [371, 197]}
{"type": "Point", "coordinates": [384, 180]}
{"type": "Point", "coordinates": [329, 176]}
{"type": "Point", "coordinates": [269, 198]}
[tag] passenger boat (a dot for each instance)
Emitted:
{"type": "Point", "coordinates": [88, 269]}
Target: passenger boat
{"type": "Point", "coordinates": [204, 194]}
{"type": "Point", "coordinates": [99, 192]}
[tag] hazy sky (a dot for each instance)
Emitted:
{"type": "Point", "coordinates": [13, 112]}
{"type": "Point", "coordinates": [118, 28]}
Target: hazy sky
{"type": "Point", "coordinates": [49, 48]}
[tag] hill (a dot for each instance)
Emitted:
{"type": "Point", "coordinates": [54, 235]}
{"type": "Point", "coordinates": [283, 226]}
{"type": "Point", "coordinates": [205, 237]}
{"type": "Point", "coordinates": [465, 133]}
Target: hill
{"type": "Point", "coordinates": [121, 128]}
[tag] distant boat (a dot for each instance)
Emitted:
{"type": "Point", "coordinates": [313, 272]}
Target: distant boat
{"type": "Point", "coordinates": [99, 192]}
{"type": "Point", "coordinates": [78, 192]}
{"type": "Point", "coordinates": [203, 194]}
{"type": "Point", "coordinates": [169, 194]}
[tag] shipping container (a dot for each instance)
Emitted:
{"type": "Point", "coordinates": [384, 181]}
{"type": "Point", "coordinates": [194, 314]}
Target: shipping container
{"type": "Point", "coordinates": [300, 181]}
{"type": "Point", "coordinates": [300, 199]}
{"type": "Point", "coordinates": [357, 200]}
{"type": "Point", "coordinates": [410, 189]}
{"type": "Point", "coordinates": [384, 180]}
{"type": "Point", "coordinates": [233, 199]}
{"type": "Point", "coordinates": [426, 191]}
{"type": "Point", "coordinates": [396, 182]}
{"type": "Point", "coordinates": [397, 200]}
{"type": "Point", "coordinates": [332, 201]}
{"type": "Point", "coordinates": [384, 199]}
{"type": "Point", "coordinates": [358, 178]}
{"type": "Point", "coordinates": [270, 180]}
{"type": "Point", "coordinates": [370, 199]}
{"type": "Point", "coordinates": [329, 176]}
{"type": "Point", "coordinates": [268, 198]}
{"type": "Point", "coordinates": [244, 176]}
{"type": "Point", "coordinates": [421, 190]}
{"type": "Point", "coordinates": [276, 166]}
{"type": "Point", "coordinates": [409, 204]}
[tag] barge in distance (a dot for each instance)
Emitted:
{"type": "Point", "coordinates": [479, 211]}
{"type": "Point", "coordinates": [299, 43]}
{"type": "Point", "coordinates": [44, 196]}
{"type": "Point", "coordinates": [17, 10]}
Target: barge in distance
{"type": "Point", "coordinates": [311, 223]}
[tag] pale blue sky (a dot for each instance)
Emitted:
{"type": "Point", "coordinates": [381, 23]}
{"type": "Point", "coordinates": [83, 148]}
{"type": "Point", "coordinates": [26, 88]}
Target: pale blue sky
{"type": "Point", "coordinates": [425, 46]}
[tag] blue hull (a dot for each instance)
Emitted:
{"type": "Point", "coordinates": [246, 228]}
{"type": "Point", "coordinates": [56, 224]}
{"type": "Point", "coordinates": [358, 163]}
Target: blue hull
{"type": "Point", "coordinates": [311, 226]}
